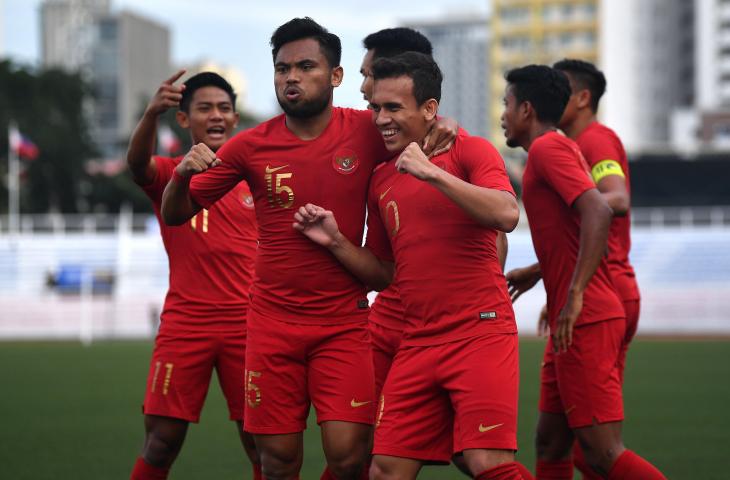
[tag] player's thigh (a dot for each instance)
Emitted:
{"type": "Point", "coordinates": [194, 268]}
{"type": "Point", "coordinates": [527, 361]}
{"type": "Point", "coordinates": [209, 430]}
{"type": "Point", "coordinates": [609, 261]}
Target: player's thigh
{"type": "Point", "coordinates": [179, 376]}
{"type": "Point", "coordinates": [340, 375]}
{"type": "Point", "coordinates": [230, 367]}
{"type": "Point", "coordinates": [588, 375]}
{"type": "Point", "coordinates": [482, 377]}
{"type": "Point", "coordinates": [346, 442]}
{"type": "Point", "coordinates": [385, 342]}
{"type": "Point", "coordinates": [277, 401]}
{"type": "Point", "coordinates": [385, 467]}
{"type": "Point", "coordinates": [415, 418]}
{"type": "Point", "coordinates": [554, 437]}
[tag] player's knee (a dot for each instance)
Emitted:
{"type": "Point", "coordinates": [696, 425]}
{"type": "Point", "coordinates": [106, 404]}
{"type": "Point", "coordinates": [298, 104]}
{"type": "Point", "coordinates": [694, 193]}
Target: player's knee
{"type": "Point", "coordinates": [347, 468]}
{"type": "Point", "coordinates": [599, 459]}
{"type": "Point", "coordinates": [161, 450]}
{"type": "Point", "coordinates": [549, 447]}
{"type": "Point", "coordinates": [279, 464]}
{"type": "Point", "coordinates": [381, 470]}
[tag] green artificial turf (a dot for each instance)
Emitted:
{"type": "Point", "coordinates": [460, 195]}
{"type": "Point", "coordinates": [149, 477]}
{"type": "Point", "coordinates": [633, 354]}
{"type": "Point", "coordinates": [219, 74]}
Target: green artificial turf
{"type": "Point", "coordinates": [74, 412]}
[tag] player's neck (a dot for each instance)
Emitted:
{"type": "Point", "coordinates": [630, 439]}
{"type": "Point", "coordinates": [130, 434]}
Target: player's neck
{"type": "Point", "coordinates": [311, 127]}
{"type": "Point", "coordinates": [537, 130]}
{"type": "Point", "coordinates": [581, 122]}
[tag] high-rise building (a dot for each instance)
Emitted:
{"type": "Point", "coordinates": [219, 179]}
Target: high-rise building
{"type": "Point", "coordinates": [644, 47]}
{"type": "Point", "coordinates": [460, 47]}
{"type": "Point", "coordinates": [130, 57]}
{"type": "Point", "coordinates": [67, 32]}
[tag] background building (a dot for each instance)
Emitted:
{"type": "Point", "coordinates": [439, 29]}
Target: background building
{"type": "Point", "coordinates": [130, 57]}
{"type": "Point", "coordinates": [460, 46]}
{"type": "Point", "coordinates": [645, 48]}
{"type": "Point", "coordinates": [67, 32]}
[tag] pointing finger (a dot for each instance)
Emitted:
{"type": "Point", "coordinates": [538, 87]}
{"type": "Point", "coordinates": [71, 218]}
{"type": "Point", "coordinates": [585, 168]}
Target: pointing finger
{"type": "Point", "coordinates": [175, 77]}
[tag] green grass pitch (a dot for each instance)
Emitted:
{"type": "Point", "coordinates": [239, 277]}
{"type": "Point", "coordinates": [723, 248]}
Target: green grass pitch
{"type": "Point", "coordinates": [74, 412]}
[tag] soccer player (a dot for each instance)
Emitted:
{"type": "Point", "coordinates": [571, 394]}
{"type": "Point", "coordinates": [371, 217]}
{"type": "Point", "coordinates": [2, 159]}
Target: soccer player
{"type": "Point", "coordinates": [307, 326]}
{"type": "Point", "coordinates": [198, 333]}
{"type": "Point", "coordinates": [569, 219]}
{"type": "Point", "coordinates": [453, 384]}
{"type": "Point", "coordinates": [605, 154]}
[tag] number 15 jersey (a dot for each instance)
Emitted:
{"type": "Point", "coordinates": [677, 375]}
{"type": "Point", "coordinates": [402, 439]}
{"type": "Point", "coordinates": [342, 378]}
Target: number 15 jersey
{"type": "Point", "coordinates": [296, 280]}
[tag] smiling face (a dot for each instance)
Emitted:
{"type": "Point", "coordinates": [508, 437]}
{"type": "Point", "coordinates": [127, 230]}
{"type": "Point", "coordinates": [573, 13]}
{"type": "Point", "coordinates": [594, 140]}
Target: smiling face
{"type": "Point", "coordinates": [211, 118]}
{"type": "Point", "coordinates": [303, 78]}
{"type": "Point", "coordinates": [397, 114]}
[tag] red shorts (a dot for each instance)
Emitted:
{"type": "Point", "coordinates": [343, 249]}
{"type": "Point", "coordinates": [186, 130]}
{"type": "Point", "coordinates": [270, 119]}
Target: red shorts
{"type": "Point", "coordinates": [631, 308]}
{"type": "Point", "coordinates": [385, 345]}
{"type": "Point", "coordinates": [181, 367]}
{"type": "Point", "coordinates": [442, 399]}
{"type": "Point", "coordinates": [584, 382]}
{"type": "Point", "coordinates": [290, 364]}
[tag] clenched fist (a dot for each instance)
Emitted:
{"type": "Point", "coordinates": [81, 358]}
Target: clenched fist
{"type": "Point", "coordinates": [199, 159]}
{"type": "Point", "coordinates": [412, 160]}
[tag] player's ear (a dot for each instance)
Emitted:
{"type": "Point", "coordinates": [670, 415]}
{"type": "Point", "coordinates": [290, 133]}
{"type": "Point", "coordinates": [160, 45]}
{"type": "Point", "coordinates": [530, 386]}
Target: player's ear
{"type": "Point", "coordinates": [524, 110]}
{"type": "Point", "coordinates": [183, 120]}
{"type": "Point", "coordinates": [336, 76]}
{"type": "Point", "coordinates": [430, 108]}
{"type": "Point", "coordinates": [583, 98]}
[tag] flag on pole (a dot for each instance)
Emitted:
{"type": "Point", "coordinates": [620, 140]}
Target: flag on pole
{"type": "Point", "coordinates": [168, 140]}
{"type": "Point", "coordinates": [21, 145]}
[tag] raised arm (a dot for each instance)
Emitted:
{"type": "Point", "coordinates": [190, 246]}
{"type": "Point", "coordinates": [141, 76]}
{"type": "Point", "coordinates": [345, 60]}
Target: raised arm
{"type": "Point", "coordinates": [142, 143]}
{"type": "Point", "coordinates": [595, 219]}
{"type": "Point", "coordinates": [320, 226]}
{"type": "Point", "coordinates": [488, 207]}
{"type": "Point", "coordinates": [178, 205]}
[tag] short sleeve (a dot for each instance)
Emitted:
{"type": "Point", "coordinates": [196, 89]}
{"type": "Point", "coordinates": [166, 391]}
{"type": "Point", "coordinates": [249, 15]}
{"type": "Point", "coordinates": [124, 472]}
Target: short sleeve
{"type": "Point", "coordinates": [483, 165]}
{"type": "Point", "coordinates": [603, 154]}
{"type": "Point", "coordinates": [377, 240]}
{"type": "Point", "coordinates": [561, 167]}
{"type": "Point", "coordinates": [164, 168]}
{"type": "Point", "coordinates": [207, 187]}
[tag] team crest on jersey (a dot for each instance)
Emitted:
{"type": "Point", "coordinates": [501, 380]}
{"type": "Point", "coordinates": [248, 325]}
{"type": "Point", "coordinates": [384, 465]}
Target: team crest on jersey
{"type": "Point", "coordinates": [345, 162]}
{"type": "Point", "coordinates": [248, 201]}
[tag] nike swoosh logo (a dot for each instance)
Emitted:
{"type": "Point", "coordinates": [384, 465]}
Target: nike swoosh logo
{"type": "Point", "coordinates": [567, 412]}
{"type": "Point", "coordinates": [483, 429]}
{"type": "Point", "coordinates": [385, 193]}
{"type": "Point", "coordinates": [272, 170]}
{"type": "Point", "coordinates": [355, 404]}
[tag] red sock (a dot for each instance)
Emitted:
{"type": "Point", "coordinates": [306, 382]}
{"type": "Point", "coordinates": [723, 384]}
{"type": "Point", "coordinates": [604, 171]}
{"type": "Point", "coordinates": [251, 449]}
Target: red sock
{"type": "Point", "coordinates": [580, 463]}
{"type": "Point", "coordinates": [327, 475]}
{"type": "Point", "coordinates": [557, 470]}
{"type": "Point", "coordinates": [506, 471]}
{"type": "Point", "coordinates": [144, 471]}
{"type": "Point", "coordinates": [526, 474]}
{"type": "Point", "coordinates": [630, 466]}
{"type": "Point", "coordinates": [257, 474]}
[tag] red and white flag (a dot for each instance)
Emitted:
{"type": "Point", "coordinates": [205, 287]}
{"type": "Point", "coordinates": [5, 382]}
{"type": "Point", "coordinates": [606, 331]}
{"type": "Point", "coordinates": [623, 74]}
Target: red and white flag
{"type": "Point", "coordinates": [21, 145]}
{"type": "Point", "coordinates": [168, 140]}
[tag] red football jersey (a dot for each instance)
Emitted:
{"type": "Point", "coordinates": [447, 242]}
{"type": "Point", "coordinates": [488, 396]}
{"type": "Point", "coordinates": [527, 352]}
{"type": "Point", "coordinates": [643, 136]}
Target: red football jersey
{"type": "Point", "coordinates": [387, 309]}
{"type": "Point", "coordinates": [556, 174]}
{"type": "Point", "coordinates": [447, 270]}
{"type": "Point", "coordinates": [297, 280]}
{"type": "Point", "coordinates": [211, 258]}
{"type": "Point", "coordinates": [599, 143]}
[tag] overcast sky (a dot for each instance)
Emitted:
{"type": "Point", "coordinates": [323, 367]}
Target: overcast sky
{"type": "Point", "coordinates": [236, 32]}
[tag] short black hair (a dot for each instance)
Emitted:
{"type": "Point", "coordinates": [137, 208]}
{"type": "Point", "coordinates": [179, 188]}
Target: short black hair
{"type": "Point", "coordinates": [204, 79]}
{"type": "Point", "coordinates": [300, 28]}
{"type": "Point", "coordinates": [421, 68]}
{"type": "Point", "coordinates": [393, 41]}
{"type": "Point", "coordinates": [587, 76]}
{"type": "Point", "coordinates": [547, 89]}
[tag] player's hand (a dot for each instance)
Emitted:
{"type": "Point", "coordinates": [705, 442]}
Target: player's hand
{"type": "Point", "coordinates": [563, 336]}
{"type": "Point", "coordinates": [167, 96]}
{"type": "Point", "coordinates": [317, 224]}
{"type": "Point", "coordinates": [543, 326]}
{"type": "Point", "coordinates": [441, 137]}
{"type": "Point", "coordinates": [521, 280]}
{"type": "Point", "coordinates": [199, 159]}
{"type": "Point", "coordinates": [412, 160]}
